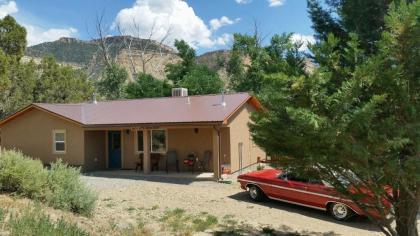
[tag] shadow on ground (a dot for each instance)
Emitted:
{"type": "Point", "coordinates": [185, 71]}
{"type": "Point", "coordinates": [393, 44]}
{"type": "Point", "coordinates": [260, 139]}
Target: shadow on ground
{"type": "Point", "coordinates": [160, 177]}
{"type": "Point", "coordinates": [356, 222]}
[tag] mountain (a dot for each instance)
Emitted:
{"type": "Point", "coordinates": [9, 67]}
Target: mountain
{"type": "Point", "coordinates": [86, 54]}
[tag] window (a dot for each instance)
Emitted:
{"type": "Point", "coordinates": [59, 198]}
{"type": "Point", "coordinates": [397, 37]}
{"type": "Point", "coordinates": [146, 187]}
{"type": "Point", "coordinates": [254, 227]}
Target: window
{"type": "Point", "coordinates": [158, 141]}
{"type": "Point", "coordinates": [139, 142]}
{"type": "Point", "coordinates": [59, 141]}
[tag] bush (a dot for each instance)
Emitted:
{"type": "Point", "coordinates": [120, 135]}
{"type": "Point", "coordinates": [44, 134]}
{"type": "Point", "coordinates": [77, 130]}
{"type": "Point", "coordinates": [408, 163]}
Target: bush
{"type": "Point", "coordinates": [22, 175]}
{"type": "Point", "coordinates": [68, 191]}
{"type": "Point", "coordinates": [35, 222]}
{"type": "Point", "coordinates": [60, 187]}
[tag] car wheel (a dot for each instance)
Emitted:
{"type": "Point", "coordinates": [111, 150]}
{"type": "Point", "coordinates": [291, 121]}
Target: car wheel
{"type": "Point", "coordinates": [340, 211]}
{"type": "Point", "coordinates": [255, 193]}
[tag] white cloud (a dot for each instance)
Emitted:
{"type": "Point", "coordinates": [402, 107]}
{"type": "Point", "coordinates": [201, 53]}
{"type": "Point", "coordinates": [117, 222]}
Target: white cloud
{"type": "Point", "coordinates": [215, 24]}
{"type": "Point", "coordinates": [243, 1]}
{"type": "Point", "coordinates": [173, 15]}
{"type": "Point", "coordinates": [224, 39]}
{"type": "Point", "coordinates": [275, 3]}
{"type": "Point", "coordinates": [7, 8]}
{"type": "Point", "coordinates": [37, 35]}
{"type": "Point", "coordinates": [304, 39]}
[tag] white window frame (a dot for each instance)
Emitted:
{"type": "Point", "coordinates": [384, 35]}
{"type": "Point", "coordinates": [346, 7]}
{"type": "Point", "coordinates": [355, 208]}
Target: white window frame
{"type": "Point", "coordinates": [59, 131]}
{"type": "Point", "coordinates": [136, 138]}
{"type": "Point", "coordinates": [166, 140]}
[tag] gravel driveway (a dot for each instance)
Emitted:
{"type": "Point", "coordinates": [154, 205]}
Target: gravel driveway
{"type": "Point", "coordinates": [118, 195]}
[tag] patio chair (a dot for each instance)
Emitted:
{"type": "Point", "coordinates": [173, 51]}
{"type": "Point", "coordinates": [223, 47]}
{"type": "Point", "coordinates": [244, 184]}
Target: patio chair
{"type": "Point", "coordinates": [172, 159]}
{"type": "Point", "coordinates": [139, 163]}
{"type": "Point", "coordinates": [191, 161]}
{"type": "Point", "coordinates": [204, 164]}
{"type": "Point", "coordinates": [155, 160]}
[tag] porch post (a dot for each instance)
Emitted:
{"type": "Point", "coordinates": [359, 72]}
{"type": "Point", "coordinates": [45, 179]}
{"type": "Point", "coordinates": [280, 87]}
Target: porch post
{"type": "Point", "coordinates": [146, 151]}
{"type": "Point", "coordinates": [216, 154]}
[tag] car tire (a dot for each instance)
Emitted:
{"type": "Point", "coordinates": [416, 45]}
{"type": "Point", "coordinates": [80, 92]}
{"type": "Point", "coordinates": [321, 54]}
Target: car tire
{"type": "Point", "coordinates": [340, 211]}
{"type": "Point", "coordinates": [255, 193]}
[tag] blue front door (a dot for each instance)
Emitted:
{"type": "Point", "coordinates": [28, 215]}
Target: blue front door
{"type": "Point", "coordinates": [114, 149]}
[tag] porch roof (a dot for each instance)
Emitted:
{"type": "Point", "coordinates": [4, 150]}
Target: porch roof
{"type": "Point", "coordinates": [192, 109]}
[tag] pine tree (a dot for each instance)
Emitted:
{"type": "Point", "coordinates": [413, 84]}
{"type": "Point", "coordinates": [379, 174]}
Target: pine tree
{"type": "Point", "coordinates": [361, 129]}
{"type": "Point", "coordinates": [12, 37]}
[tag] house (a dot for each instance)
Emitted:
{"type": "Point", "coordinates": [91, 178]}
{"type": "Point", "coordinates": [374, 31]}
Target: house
{"type": "Point", "coordinates": [119, 134]}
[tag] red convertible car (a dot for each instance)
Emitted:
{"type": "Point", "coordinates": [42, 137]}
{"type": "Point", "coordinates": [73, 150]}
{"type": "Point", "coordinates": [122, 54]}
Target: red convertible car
{"type": "Point", "coordinates": [287, 187]}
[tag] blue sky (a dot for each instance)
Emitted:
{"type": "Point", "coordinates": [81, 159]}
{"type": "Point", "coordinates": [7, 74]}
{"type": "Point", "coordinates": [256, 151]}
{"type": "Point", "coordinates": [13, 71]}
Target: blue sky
{"type": "Point", "coordinates": [205, 24]}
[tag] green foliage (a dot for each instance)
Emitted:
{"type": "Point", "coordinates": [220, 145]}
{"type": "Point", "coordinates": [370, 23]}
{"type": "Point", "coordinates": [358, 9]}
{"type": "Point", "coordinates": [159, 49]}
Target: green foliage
{"type": "Point", "coordinates": [22, 176]}
{"type": "Point", "coordinates": [201, 80]}
{"type": "Point", "coordinates": [46, 82]}
{"type": "Point", "coordinates": [146, 86]}
{"type": "Point", "coordinates": [112, 83]}
{"type": "Point", "coordinates": [281, 56]}
{"type": "Point", "coordinates": [60, 84]}
{"type": "Point", "coordinates": [5, 82]}
{"type": "Point", "coordinates": [355, 124]}
{"type": "Point", "coordinates": [33, 222]}
{"type": "Point", "coordinates": [60, 187]}
{"type": "Point", "coordinates": [12, 37]}
{"type": "Point", "coordinates": [176, 72]}
{"type": "Point", "coordinates": [68, 192]}
{"type": "Point", "coordinates": [198, 79]}
{"type": "Point", "coordinates": [343, 17]}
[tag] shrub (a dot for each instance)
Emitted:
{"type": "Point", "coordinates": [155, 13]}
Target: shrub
{"type": "Point", "coordinates": [68, 191]}
{"type": "Point", "coordinates": [32, 221]}
{"type": "Point", "coordinates": [60, 187]}
{"type": "Point", "coordinates": [22, 175]}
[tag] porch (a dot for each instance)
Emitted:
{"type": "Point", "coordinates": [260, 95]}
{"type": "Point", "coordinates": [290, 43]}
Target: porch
{"type": "Point", "coordinates": [153, 150]}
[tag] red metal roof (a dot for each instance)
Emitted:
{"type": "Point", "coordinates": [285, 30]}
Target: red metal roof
{"type": "Point", "coordinates": [192, 109]}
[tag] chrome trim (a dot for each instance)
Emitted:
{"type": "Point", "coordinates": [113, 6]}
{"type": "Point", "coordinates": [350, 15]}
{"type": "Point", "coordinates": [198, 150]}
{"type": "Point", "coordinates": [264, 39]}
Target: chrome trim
{"type": "Point", "coordinates": [292, 189]}
{"type": "Point", "coordinates": [300, 204]}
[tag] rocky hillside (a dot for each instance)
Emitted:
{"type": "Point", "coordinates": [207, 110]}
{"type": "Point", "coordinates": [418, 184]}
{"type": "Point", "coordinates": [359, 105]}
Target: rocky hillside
{"type": "Point", "coordinates": [87, 54]}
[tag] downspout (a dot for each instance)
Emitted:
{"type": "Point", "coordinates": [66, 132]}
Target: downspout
{"type": "Point", "coordinates": [219, 172]}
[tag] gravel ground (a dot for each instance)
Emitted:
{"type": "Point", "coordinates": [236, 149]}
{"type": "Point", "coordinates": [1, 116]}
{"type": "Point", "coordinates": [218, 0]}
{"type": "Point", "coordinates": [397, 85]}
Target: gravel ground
{"type": "Point", "coordinates": [118, 197]}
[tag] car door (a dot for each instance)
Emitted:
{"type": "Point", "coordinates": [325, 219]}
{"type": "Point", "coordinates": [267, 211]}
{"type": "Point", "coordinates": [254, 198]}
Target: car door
{"type": "Point", "coordinates": [321, 194]}
{"type": "Point", "coordinates": [289, 189]}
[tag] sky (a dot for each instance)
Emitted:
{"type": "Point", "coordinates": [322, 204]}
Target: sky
{"type": "Point", "coordinates": [206, 25]}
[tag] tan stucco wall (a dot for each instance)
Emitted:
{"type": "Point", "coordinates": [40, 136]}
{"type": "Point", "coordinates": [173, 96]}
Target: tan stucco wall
{"type": "Point", "coordinates": [239, 132]}
{"type": "Point", "coordinates": [95, 150]}
{"type": "Point", "coordinates": [32, 133]}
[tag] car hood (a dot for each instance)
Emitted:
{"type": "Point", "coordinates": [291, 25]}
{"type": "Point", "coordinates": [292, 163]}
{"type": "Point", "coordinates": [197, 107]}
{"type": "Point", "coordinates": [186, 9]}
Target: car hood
{"type": "Point", "coordinates": [267, 173]}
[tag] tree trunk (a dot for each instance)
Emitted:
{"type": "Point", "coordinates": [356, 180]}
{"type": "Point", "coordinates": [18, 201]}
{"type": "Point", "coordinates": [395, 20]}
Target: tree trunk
{"type": "Point", "coordinates": [406, 213]}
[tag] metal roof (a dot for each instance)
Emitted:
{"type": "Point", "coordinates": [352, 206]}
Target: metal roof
{"type": "Point", "coordinates": [192, 109]}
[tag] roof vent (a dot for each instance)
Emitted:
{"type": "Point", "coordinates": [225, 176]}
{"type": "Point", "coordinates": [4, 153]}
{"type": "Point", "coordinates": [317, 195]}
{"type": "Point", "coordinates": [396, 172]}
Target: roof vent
{"type": "Point", "coordinates": [179, 92]}
{"type": "Point", "coordinates": [223, 103]}
{"type": "Point", "coordinates": [94, 101]}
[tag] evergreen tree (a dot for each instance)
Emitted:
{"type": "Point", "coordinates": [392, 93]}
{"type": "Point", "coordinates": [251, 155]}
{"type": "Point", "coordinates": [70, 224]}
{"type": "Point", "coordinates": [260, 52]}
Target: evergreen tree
{"type": "Point", "coordinates": [250, 60]}
{"type": "Point", "coordinates": [12, 37]}
{"type": "Point", "coordinates": [362, 129]}
{"type": "Point", "coordinates": [341, 17]}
